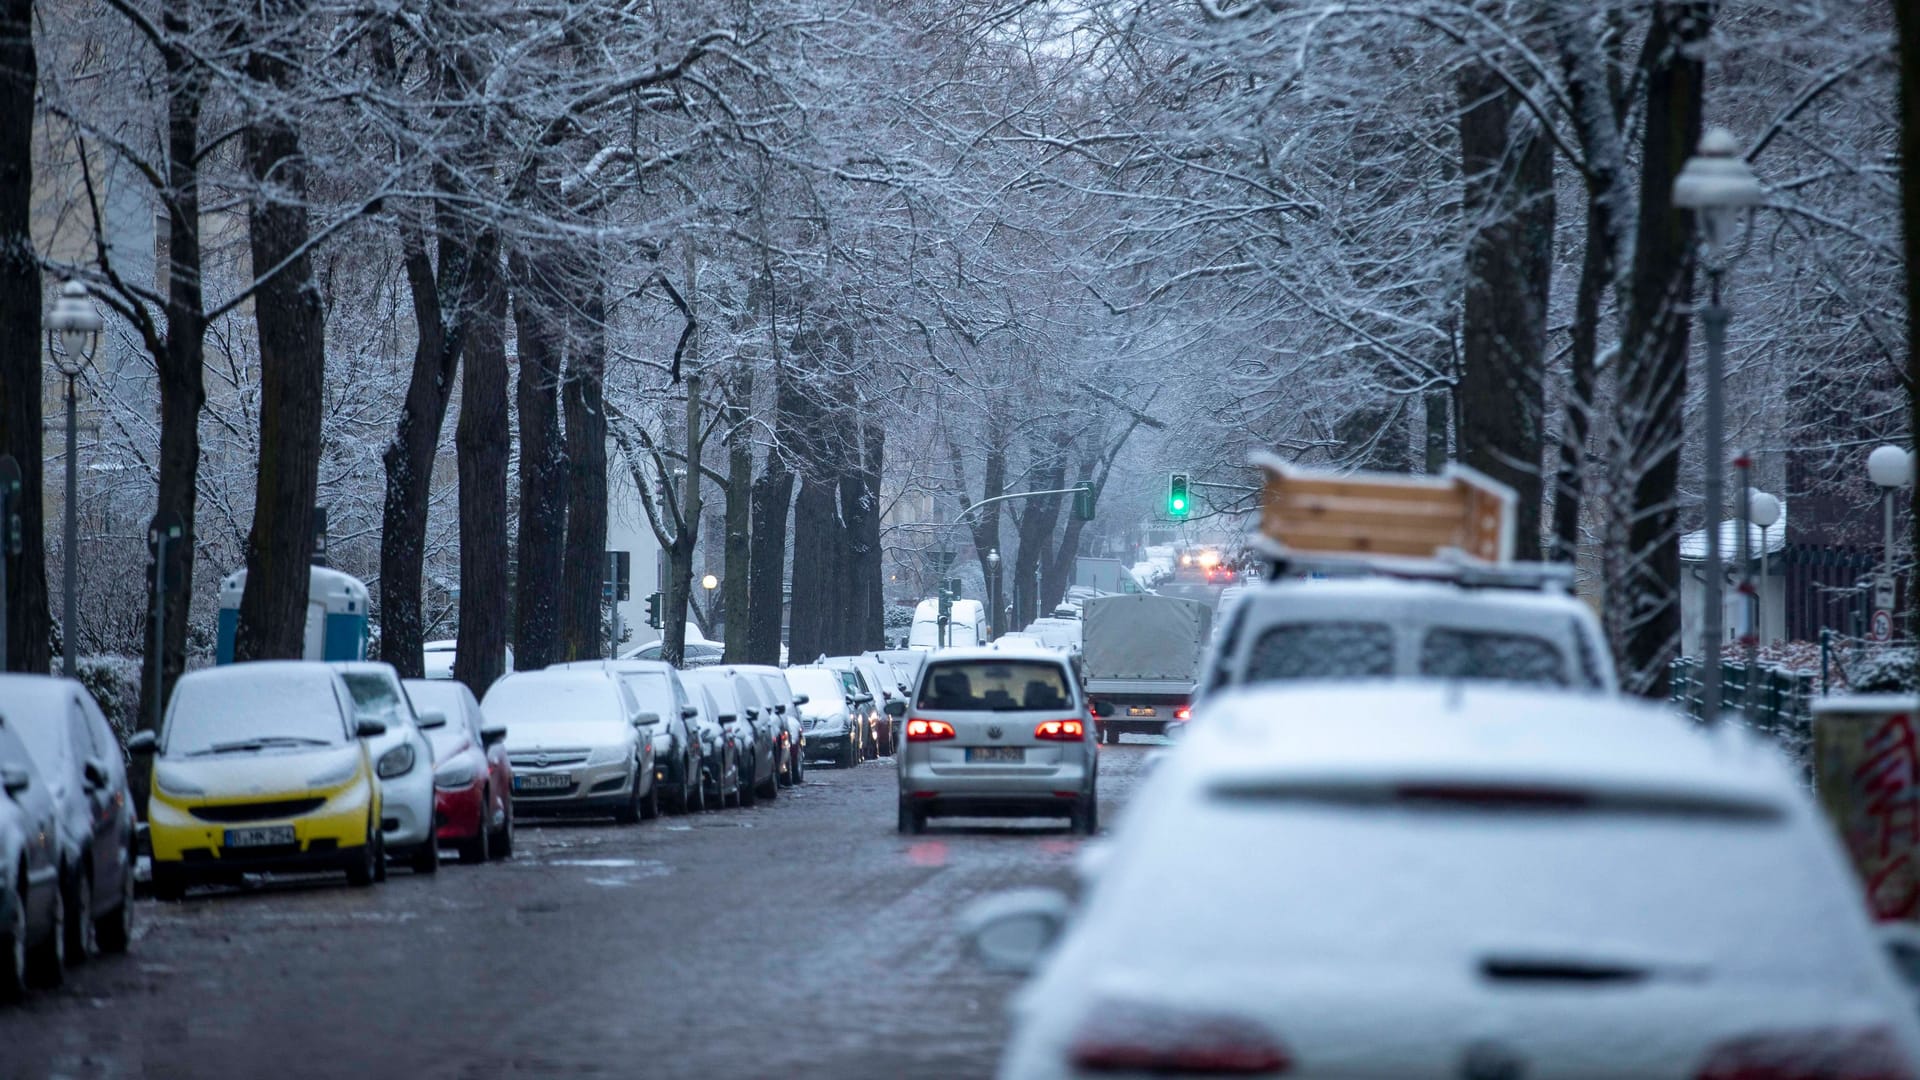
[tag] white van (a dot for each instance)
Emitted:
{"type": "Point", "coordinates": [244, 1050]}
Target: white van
{"type": "Point", "coordinates": [967, 625]}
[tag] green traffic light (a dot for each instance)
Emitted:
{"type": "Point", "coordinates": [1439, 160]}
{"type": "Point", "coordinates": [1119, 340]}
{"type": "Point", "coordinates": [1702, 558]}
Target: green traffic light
{"type": "Point", "coordinates": [1179, 504]}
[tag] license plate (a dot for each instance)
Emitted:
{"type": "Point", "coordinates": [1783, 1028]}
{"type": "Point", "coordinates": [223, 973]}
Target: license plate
{"type": "Point", "coordinates": [1002, 754]}
{"type": "Point", "coordinates": [265, 836]}
{"type": "Point", "coordinates": [1139, 710]}
{"type": "Point", "coordinates": [542, 782]}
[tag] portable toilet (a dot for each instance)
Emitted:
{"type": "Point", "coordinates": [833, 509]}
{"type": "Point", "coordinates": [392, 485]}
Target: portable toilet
{"type": "Point", "coordinates": [336, 615]}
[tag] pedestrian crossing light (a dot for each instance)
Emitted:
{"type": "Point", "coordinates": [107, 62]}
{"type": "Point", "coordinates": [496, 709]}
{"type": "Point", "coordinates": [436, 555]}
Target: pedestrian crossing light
{"type": "Point", "coordinates": [1178, 504]}
{"type": "Point", "coordinates": [653, 611]}
{"type": "Point", "coordinates": [1083, 501]}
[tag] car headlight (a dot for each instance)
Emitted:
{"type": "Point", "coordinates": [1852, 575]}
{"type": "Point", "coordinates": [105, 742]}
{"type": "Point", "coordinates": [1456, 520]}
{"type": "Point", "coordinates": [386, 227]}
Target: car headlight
{"type": "Point", "coordinates": [457, 773]}
{"type": "Point", "coordinates": [608, 755]}
{"type": "Point", "coordinates": [171, 782]}
{"type": "Point", "coordinates": [396, 762]}
{"type": "Point", "coordinates": [339, 774]}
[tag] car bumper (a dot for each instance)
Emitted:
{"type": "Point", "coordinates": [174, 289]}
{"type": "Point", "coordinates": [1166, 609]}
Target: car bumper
{"type": "Point", "coordinates": [819, 746]}
{"type": "Point", "coordinates": [179, 838]}
{"type": "Point", "coordinates": [459, 811]}
{"type": "Point", "coordinates": [590, 789]}
{"type": "Point", "coordinates": [1040, 790]}
{"type": "Point", "coordinates": [406, 809]}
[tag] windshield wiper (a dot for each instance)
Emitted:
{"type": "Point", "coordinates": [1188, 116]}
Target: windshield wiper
{"type": "Point", "coordinates": [259, 743]}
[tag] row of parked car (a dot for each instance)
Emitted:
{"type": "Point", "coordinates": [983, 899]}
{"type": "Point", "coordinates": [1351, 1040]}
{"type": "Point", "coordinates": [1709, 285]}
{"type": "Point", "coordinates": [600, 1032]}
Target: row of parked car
{"type": "Point", "coordinates": [308, 767]}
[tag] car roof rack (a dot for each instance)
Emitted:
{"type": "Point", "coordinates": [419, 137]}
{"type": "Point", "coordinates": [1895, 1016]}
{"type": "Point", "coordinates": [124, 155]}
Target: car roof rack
{"type": "Point", "coordinates": [1447, 566]}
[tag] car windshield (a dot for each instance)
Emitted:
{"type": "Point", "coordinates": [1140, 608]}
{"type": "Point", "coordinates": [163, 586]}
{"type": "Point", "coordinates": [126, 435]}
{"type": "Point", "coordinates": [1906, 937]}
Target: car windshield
{"type": "Point", "coordinates": [375, 697]}
{"type": "Point", "coordinates": [533, 699]}
{"type": "Point", "coordinates": [822, 687]}
{"type": "Point", "coordinates": [1422, 881]}
{"type": "Point", "coordinates": [226, 714]}
{"type": "Point", "coordinates": [996, 685]}
{"type": "Point", "coordinates": [1321, 650]}
{"type": "Point", "coordinates": [44, 731]}
{"type": "Point", "coordinates": [653, 691]}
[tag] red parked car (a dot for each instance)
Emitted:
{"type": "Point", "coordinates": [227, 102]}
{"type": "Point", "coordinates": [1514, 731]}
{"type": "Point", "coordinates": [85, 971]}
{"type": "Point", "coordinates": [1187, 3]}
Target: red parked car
{"type": "Point", "coordinates": [472, 779]}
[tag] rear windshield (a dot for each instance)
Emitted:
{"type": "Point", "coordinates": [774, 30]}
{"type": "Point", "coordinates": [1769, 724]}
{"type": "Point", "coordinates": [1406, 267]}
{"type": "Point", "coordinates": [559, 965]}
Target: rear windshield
{"type": "Point", "coordinates": [1322, 650]}
{"type": "Point", "coordinates": [1489, 654]}
{"type": "Point", "coordinates": [1650, 892]}
{"type": "Point", "coordinates": [997, 685]}
{"type": "Point", "coordinates": [208, 713]}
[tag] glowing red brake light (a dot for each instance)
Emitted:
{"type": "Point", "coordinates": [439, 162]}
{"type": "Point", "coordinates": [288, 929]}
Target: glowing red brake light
{"type": "Point", "coordinates": [1184, 712]}
{"type": "Point", "coordinates": [919, 730]}
{"type": "Point", "coordinates": [1060, 730]}
{"type": "Point", "coordinates": [1136, 1038]}
{"type": "Point", "coordinates": [1810, 1054]}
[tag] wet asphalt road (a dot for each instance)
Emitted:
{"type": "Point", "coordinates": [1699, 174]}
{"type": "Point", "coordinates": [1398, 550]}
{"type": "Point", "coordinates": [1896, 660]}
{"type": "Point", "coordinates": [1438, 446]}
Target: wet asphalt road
{"type": "Point", "coordinates": [801, 938]}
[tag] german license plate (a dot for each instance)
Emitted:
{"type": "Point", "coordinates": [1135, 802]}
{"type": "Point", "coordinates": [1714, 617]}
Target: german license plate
{"type": "Point", "coordinates": [1000, 754]}
{"type": "Point", "coordinates": [542, 782]}
{"type": "Point", "coordinates": [1139, 710]}
{"type": "Point", "coordinates": [263, 836]}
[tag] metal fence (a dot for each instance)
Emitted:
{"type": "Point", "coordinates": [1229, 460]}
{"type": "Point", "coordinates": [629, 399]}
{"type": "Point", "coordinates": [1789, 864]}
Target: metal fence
{"type": "Point", "coordinates": [1784, 702]}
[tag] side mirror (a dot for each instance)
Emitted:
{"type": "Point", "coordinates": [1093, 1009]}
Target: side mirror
{"type": "Point", "coordinates": [863, 699]}
{"type": "Point", "coordinates": [896, 708]}
{"type": "Point", "coordinates": [368, 729]}
{"type": "Point", "coordinates": [1102, 709]}
{"type": "Point", "coordinates": [728, 718]}
{"type": "Point", "coordinates": [15, 779]}
{"type": "Point", "coordinates": [753, 714]}
{"type": "Point", "coordinates": [143, 742]}
{"type": "Point", "coordinates": [433, 718]}
{"type": "Point", "coordinates": [781, 709]}
{"type": "Point", "coordinates": [800, 699]}
{"type": "Point", "coordinates": [645, 719]}
{"type": "Point", "coordinates": [1012, 930]}
{"type": "Point", "coordinates": [493, 734]}
{"type": "Point", "coordinates": [95, 772]}
{"type": "Point", "coordinates": [688, 712]}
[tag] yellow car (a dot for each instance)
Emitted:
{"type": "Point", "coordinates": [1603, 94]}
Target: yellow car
{"type": "Point", "coordinates": [260, 768]}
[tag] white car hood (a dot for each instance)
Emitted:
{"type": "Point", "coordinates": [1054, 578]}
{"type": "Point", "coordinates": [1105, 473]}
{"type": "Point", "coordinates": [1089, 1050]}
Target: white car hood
{"type": "Point", "coordinates": [566, 734]}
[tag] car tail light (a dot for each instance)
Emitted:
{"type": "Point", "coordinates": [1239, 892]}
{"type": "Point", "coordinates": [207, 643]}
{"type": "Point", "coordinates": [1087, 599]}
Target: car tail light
{"type": "Point", "coordinates": [919, 730]}
{"type": "Point", "coordinates": [1809, 1054]}
{"type": "Point", "coordinates": [1184, 712]}
{"type": "Point", "coordinates": [1137, 1038]}
{"type": "Point", "coordinates": [1060, 730]}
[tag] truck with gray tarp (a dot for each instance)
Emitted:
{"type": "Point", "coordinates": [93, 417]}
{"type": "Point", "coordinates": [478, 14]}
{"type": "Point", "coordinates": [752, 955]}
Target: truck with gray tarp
{"type": "Point", "coordinates": [1140, 659]}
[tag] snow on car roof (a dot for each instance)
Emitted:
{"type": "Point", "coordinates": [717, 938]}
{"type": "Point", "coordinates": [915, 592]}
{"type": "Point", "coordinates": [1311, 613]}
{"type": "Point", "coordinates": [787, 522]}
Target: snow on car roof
{"type": "Point", "coordinates": [1385, 590]}
{"type": "Point", "coordinates": [988, 652]}
{"type": "Point", "coordinates": [33, 692]}
{"type": "Point", "coordinates": [1474, 733]}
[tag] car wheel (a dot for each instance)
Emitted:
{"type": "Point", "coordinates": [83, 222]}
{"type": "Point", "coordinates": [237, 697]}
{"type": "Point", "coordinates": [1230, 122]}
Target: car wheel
{"type": "Point", "coordinates": [849, 755]}
{"type": "Point", "coordinates": [747, 792]}
{"type": "Point", "coordinates": [477, 849]}
{"type": "Point", "coordinates": [913, 820]}
{"type": "Point", "coordinates": [771, 789]}
{"type": "Point", "coordinates": [629, 812]}
{"type": "Point", "coordinates": [650, 806]}
{"type": "Point", "coordinates": [47, 961]}
{"type": "Point", "coordinates": [362, 873]}
{"type": "Point", "coordinates": [169, 883]}
{"type": "Point", "coordinates": [426, 857]}
{"type": "Point", "coordinates": [503, 843]}
{"type": "Point", "coordinates": [82, 946]}
{"type": "Point", "coordinates": [379, 855]}
{"type": "Point", "coordinates": [114, 930]}
{"type": "Point", "coordinates": [799, 766]}
{"type": "Point", "coordinates": [1084, 820]}
{"type": "Point", "coordinates": [13, 947]}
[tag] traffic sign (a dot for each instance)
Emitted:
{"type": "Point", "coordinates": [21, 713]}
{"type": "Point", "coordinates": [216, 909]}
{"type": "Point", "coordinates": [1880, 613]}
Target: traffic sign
{"type": "Point", "coordinates": [1881, 627]}
{"type": "Point", "coordinates": [1883, 592]}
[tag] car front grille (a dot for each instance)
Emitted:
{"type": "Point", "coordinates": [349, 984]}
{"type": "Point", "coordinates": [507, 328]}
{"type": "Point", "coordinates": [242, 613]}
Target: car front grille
{"type": "Point", "coordinates": [257, 811]}
{"type": "Point", "coordinates": [545, 759]}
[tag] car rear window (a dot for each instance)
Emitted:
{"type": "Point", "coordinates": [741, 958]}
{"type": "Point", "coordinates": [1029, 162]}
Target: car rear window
{"type": "Point", "coordinates": [1458, 653]}
{"type": "Point", "coordinates": [1321, 650]}
{"type": "Point", "coordinates": [996, 685]}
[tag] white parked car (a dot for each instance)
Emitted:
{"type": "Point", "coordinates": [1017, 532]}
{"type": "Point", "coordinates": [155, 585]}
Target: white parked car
{"type": "Point", "coordinates": [1424, 880]}
{"type": "Point", "coordinates": [438, 657]}
{"type": "Point", "coordinates": [402, 759]}
{"type": "Point", "coordinates": [578, 742]}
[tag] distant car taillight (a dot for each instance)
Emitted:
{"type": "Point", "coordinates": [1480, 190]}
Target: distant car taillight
{"type": "Point", "coordinates": [919, 730]}
{"type": "Point", "coordinates": [1184, 712]}
{"type": "Point", "coordinates": [1810, 1054]}
{"type": "Point", "coordinates": [1060, 730]}
{"type": "Point", "coordinates": [1138, 1038]}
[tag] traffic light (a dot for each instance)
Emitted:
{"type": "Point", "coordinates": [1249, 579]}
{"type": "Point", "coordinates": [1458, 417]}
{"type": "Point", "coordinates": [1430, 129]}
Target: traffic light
{"type": "Point", "coordinates": [653, 612]}
{"type": "Point", "coordinates": [1178, 503]}
{"type": "Point", "coordinates": [1083, 501]}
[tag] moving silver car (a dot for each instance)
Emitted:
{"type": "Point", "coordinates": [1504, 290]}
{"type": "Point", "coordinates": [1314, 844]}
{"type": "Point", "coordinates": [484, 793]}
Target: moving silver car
{"type": "Point", "coordinates": [996, 734]}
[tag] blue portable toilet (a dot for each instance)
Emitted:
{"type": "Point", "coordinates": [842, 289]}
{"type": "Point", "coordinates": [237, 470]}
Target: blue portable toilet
{"type": "Point", "coordinates": [336, 615]}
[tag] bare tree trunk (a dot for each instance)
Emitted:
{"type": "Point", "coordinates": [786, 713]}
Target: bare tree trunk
{"type": "Point", "coordinates": [1037, 517]}
{"type": "Point", "coordinates": [481, 440]}
{"type": "Point", "coordinates": [585, 563]}
{"type": "Point", "coordinates": [1437, 408]}
{"type": "Point", "coordinates": [772, 494]}
{"type": "Point", "coordinates": [1570, 481]}
{"type": "Point", "coordinates": [1647, 433]}
{"type": "Point", "coordinates": [181, 366]}
{"type": "Point", "coordinates": [543, 508]}
{"type": "Point", "coordinates": [673, 636]}
{"type": "Point", "coordinates": [292, 335]}
{"type": "Point", "coordinates": [29, 622]}
{"type": "Point", "coordinates": [1908, 19]}
{"type": "Point", "coordinates": [869, 630]}
{"type": "Point", "coordinates": [734, 591]}
{"type": "Point", "coordinates": [1507, 167]}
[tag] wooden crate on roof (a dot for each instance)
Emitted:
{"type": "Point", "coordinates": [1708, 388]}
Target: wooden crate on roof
{"type": "Point", "coordinates": [1383, 515]}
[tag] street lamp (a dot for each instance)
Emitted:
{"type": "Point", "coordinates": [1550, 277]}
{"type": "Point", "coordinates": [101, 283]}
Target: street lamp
{"type": "Point", "coordinates": [1716, 185]}
{"type": "Point", "coordinates": [709, 583]}
{"type": "Point", "coordinates": [1890, 468]}
{"type": "Point", "coordinates": [993, 589]}
{"type": "Point", "coordinates": [1762, 510]}
{"type": "Point", "coordinates": [73, 333]}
